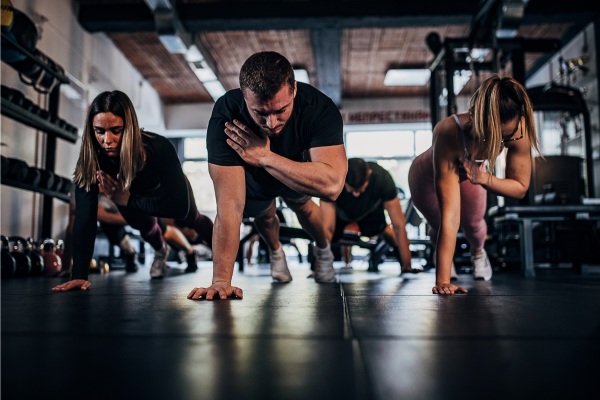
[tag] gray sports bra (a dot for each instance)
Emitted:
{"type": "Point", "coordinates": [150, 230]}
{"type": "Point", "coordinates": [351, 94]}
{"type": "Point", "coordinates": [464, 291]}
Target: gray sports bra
{"type": "Point", "coordinates": [462, 174]}
{"type": "Point", "coordinates": [462, 131]}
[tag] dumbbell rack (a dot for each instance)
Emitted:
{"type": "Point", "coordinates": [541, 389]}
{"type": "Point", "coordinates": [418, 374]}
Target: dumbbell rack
{"type": "Point", "coordinates": [53, 126]}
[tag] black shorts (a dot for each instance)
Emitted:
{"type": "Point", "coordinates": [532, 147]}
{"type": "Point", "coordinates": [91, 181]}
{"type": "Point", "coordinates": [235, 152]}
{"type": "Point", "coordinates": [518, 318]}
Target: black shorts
{"type": "Point", "coordinates": [370, 225]}
{"type": "Point", "coordinates": [259, 199]}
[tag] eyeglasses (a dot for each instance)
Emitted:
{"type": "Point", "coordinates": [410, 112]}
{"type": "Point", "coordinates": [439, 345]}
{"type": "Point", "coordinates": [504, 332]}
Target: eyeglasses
{"type": "Point", "coordinates": [511, 139]}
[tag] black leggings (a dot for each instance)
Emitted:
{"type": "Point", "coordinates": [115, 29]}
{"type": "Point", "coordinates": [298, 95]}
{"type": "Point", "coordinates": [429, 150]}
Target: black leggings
{"type": "Point", "coordinates": [152, 232]}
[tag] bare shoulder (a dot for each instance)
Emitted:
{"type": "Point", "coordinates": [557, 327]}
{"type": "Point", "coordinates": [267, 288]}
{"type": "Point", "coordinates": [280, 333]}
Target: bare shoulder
{"type": "Point", "coordinates": [446, 133]}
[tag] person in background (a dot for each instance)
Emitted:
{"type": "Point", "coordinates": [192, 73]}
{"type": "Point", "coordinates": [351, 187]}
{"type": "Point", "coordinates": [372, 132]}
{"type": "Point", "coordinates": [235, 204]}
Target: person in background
{"type": "Point", "coordinates": [183, 239]}
{"type": "Point", "coordinates": [271, 137]}
{"type": "Point", "coordinates": [448, 182]}
{"type": "Point", "coordinates": [140, 172]}
{"type": "Point", "coordinates": [113, 225]}
{"type": "Point", "coordinates": [369, 192]}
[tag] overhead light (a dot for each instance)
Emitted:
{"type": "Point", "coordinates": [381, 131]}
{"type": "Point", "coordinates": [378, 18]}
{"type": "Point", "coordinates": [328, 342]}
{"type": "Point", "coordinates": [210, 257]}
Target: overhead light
{"type": "Point", "coordinates": [460, 79]}
{"type": "Point", "coordinates": [215, 89]}
{"type": "Point", "coordinates": [193, 54]}
{"type": "Point", "coordinates": [301, 75]}
{"type": "Point", "coordinates": [173, 43]}
{"type": "Point", "coordinates": [407, 77]}
{"type": "Point", "coordinates": [208, 78]}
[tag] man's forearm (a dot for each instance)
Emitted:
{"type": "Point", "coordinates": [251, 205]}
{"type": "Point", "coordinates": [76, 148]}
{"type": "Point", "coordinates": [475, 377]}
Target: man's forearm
{"type": "Point", "coordinates": [226, 234]}
{"type": "Point", "coordinates": [312, 178]}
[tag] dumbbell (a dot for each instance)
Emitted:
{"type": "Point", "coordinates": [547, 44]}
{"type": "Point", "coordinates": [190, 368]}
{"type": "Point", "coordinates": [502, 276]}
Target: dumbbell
{"type": "Point", "coordinates": [22, 261]}
{"type": "Point", "coordinates": [17, 169]}
{"type": "Point", "coordinates": [4, 167]}
{"type": "Point", "coordinates": [8, 261]}
{"type": "Point", "coordinates": [7, 93]}
{"type": "Point", "coordinates": [66, 187]}
{"type": "Point", "coordinates": [57, 184]}
{"type": "Point", "coordinates": [47, 179]}
{"type": "Point", "coordinates": [33, 176]}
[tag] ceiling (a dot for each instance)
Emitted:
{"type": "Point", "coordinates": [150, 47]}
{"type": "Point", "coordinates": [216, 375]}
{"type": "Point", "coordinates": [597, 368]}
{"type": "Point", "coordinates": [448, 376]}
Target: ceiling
{"type": "Point", "coordinates": [345, 45]}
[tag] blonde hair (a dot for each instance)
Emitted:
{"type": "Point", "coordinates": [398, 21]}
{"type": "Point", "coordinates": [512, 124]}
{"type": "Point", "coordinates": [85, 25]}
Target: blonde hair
{"type": "Point", "coordinates": [497, 101]}
{"type": "Point", "coordinates": [132, 155]}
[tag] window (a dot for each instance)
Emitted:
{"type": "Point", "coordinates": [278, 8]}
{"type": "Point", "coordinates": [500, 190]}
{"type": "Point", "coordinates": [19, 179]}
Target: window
{"type": "Point", "coordinates": [393, 149]}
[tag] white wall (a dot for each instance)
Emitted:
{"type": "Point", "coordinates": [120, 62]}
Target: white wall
{"type": "Point", "coordinates": [94, 64]}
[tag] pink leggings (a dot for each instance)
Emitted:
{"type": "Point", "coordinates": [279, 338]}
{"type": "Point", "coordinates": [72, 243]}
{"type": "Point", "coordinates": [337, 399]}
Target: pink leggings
{"type": "Point", "coordinates": [473, 202]}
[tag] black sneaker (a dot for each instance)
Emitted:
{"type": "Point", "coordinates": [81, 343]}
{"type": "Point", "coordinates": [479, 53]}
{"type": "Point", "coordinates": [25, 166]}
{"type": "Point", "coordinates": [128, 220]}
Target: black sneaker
{"type": "Point", "coordinates": [130, 263]}
{"type": "Point", "coordinates": [191, 262]}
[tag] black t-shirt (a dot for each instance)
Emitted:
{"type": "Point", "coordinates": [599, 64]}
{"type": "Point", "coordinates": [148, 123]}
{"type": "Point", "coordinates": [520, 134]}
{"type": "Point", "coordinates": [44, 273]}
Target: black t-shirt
{"type": "Point", "coordinates": [315, 122]}
{"type": "Point", "coordinates": [159, 189]}
{"type": "Point", "coordinates": [381, 188]}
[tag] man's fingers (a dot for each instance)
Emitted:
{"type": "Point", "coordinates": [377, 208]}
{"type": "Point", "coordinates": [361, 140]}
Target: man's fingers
{"type": "Point", "coordinates": [238, 292]}
{"type": "Point", "coordinates": [196, 293]}
{"type": "Point", "coordinates": [219, 292]}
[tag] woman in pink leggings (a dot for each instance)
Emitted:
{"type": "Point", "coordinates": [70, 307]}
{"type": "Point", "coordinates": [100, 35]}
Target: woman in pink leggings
{"type": "Point", "coordinates": [448, 182]}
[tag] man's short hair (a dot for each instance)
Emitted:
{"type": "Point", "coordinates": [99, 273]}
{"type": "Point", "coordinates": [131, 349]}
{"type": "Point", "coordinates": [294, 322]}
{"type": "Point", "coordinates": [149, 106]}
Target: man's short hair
{"type": "Point", "coordinates": [358, 172]}
{"type": "Point", "coordinates": [264, 74]}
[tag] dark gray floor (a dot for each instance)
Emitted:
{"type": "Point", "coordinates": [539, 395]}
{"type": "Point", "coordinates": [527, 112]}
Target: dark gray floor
{"type": "Point", "coordinates": [371, 336]}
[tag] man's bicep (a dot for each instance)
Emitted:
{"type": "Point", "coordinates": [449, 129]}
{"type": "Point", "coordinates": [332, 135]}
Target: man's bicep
{"type": "Point", "coordinates": [334, 156]}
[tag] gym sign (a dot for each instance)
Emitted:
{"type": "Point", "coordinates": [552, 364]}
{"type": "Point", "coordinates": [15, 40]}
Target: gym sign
{"type": "Point", "coordinates": [385, 117]}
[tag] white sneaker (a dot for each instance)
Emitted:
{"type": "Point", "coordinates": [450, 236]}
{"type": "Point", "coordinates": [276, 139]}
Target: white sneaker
{"type": "Point", "coordinates": [159, 265]}
{"type": "Point", "coordinates": [453, 274]}
{"type": "Point", "coordinates": [323, 267]}
{"type": "Point", "coordinates": [483, 268]}
{"type": "Point", "coordinates": [279, 268]}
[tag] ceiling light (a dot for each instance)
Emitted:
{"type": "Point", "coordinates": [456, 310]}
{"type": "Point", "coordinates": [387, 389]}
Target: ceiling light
{"type": "Point", "coordinates": [204, 73]}
{"type": "Point", "coordinates": [173, 43]}
{"type": "Point", "coordinates": [193, 55]}
{"type": "Point", "coordinates": [406, 77]}
{"type": "Point", "coordinates": [301, 75]}
{"type": "Point", "coordinates": [215, 89]}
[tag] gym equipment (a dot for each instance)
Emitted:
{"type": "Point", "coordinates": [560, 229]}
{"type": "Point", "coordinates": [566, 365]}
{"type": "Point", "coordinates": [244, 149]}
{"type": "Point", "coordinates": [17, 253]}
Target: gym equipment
{"type": "Point", "coordinates": [57, 184]}
{"type": "Point", "coordinates": [17, 169]}
{"type": "Point", "coordinates": [104, 266]}
{"type": "Point", "coordinates": [33, 176]}
{"type": "Point", "coordinates": [52, 261]}
{"type": "Point", "coordinates": [8, 261]}
{"type": "Point", "coordinates": [22, 261]}
{"type": "Point", "coordinates": [94, 267]}
{"type": "Point", "coordinates": [4, 167]}
{"type": "Point", "coordinates": [47, 180]}
{"type": "Point", "coordinates": [60, 251]}
{"type": "Point", "coordinates": [24, 33]}
{"type": "Point", "coordinates": [37, 261]}
{"type": "Point", "coordinates": [7, 14]}
{"type": "Point", "coordinates": [66, 186]}
{"type": "Point", "coordinates": [32, 73]}
{"type": "Point", "coordinates": [569, 101]}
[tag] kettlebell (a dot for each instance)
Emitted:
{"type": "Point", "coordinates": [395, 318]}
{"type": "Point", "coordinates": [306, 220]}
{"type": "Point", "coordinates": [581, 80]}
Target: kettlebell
{"type": "Point", "coordinates": [59, 248]}
{"type": "Point", "coordinates": [94, 267]}
{"type": "Point", "coordinates": [37, 261]}
{"type": "Point", "coordinates": [52, 262]}
{"type": "Point", "coordinates": [22, 261]}
{"type": "Point", "coordinates": [8, 261]}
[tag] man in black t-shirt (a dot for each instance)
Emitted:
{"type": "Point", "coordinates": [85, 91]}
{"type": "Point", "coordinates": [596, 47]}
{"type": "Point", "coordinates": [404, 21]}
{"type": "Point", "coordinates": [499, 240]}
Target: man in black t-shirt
{"type": "Point", "coordinates": [369, 192]}
{"type": "Point", "coordinates": [272, 137]}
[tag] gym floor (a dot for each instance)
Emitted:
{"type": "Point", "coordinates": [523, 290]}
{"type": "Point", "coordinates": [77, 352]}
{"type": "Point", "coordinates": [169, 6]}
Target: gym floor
{"type": "Point", "coordinates": [369, 336]}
